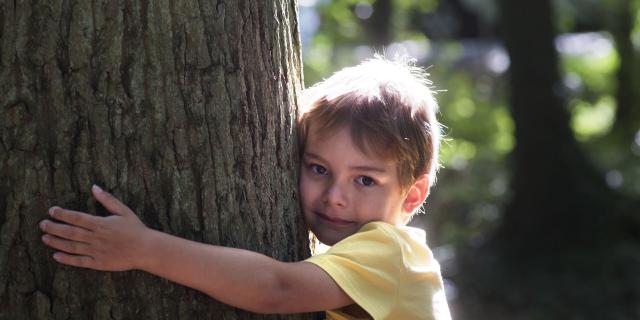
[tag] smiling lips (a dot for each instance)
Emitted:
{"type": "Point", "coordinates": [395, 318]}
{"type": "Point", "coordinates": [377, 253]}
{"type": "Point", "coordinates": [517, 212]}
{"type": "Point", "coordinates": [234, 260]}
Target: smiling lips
{"type": "Point", "coordinates": [334, 221]}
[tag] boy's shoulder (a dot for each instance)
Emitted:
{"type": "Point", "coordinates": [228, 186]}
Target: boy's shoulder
{"type": "Point", "coordinates": [389, 271]}
{"type": "Point", "coordinates": [383, 245]}
{"type": "Point", "coordinates": [405, 238]}
{"type": "Point", "coordinates": [412, 233]}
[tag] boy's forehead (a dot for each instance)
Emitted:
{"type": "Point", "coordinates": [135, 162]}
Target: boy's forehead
{"type": "Point", "coordinates": [317, 136]}
{"type": "Point", "coordinates": [316, 133]}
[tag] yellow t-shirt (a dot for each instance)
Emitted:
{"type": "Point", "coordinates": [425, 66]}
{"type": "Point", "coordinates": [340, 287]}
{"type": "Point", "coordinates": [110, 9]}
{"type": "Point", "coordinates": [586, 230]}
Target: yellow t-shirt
{"type": "Point", "coordinates": [388, 271]}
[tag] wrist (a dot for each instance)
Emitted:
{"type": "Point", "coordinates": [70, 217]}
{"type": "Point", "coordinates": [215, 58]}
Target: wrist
{"type": "Point", "coordinates": [148, 251]}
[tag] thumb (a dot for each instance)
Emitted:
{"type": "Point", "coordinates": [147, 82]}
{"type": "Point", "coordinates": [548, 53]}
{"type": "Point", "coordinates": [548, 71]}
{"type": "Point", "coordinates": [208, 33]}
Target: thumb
{"type": "Point", "coordinates": [110, 202]}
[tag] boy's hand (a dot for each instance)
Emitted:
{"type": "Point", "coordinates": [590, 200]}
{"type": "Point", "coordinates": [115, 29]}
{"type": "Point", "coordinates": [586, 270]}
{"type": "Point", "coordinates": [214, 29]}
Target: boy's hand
{"type": "Point", "coordinates": [113, 243]}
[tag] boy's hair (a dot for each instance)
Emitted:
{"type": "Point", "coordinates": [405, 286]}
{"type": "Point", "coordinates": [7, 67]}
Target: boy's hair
{"type": "Point", "coordinates": [389, 108]}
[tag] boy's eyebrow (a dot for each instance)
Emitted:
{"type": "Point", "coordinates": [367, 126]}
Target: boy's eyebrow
{"type": "Point", "coordinates": [312, 155]}
{"type": "Point", "coordinates": [357, 167]}
{"type": "Point", "coordinates": [369, 168]}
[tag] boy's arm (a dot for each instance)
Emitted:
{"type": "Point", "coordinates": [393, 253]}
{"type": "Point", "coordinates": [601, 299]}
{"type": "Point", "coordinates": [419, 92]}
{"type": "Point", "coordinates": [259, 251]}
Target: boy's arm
{"type": "Point", "coordinates": [241, 278]}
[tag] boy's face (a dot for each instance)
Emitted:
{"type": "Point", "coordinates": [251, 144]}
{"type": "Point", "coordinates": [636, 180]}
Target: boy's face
{"type": "Point", "coordinates": [342, 189]}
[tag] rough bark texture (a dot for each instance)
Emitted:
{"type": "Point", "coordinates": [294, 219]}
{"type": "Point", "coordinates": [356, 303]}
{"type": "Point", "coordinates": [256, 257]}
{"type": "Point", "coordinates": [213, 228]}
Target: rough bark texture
{"type": "Point", "coordinates": [183, 109]}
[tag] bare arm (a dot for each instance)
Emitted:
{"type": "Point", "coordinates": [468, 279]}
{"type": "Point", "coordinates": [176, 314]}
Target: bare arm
{"type": "Point", "coordinates": [241, 278]}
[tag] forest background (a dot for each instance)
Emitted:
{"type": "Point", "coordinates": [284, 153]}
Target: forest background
{"type": "Point", "coordinates": [514, 245]}
{"type": "Point", "coordinates": [535, 214]}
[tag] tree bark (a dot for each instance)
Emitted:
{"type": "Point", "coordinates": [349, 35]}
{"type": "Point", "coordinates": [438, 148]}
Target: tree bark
{"type": "Point", "coordinates": [183, 109]}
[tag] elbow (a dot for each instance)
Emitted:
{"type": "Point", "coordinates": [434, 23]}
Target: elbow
{"type": "Point", "coordinates": [269, 305]}
{"type": "Point", "coordinates": [276, 293]}
{"type": "Point", "coordinates": [266, 295]}
{"type": "Point", "coordinates": [270, 302]}
{"type": "Point", "coordinates": [261, 304]}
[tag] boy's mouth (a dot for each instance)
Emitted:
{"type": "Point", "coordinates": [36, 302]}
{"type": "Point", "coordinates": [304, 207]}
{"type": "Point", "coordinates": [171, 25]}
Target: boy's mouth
{"type": "Point", "coordinates": [334, 221]}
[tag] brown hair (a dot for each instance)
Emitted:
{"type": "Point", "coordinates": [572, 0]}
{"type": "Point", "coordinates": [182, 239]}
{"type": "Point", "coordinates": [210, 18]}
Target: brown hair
{"type": "Point", "coordinates": [389, 108]}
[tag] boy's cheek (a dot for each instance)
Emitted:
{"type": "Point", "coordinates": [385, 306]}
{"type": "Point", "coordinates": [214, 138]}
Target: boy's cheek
{"type": "Point", "coordinates": [309, 190]}
{"type": "Point", "coordinates": [303, 187]}
{"type": "Point", "coordinates": [302, 176]}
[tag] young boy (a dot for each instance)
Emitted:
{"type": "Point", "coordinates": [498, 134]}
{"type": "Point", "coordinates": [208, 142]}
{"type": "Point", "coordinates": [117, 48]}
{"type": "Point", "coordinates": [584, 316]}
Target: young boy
{"type": "Point", "coordinates": [369, 141]}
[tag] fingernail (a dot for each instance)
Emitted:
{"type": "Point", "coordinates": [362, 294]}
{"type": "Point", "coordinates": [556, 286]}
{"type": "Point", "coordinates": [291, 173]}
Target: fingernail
{"type": "Point", "coordinates": [51, 211]}
{"type": "Point", "coordinates": [56, 256]}
{"type": "Point", "coordinates": [45, 238]}
{"type": "Point", "coordinates": [43, 225]}
{"type": "Point", "coordinates": [96, 188]}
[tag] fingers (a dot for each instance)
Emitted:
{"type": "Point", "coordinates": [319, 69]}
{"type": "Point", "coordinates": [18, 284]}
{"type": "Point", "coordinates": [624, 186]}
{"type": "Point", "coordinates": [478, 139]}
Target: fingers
{"type": "Point", "coordinates": [73, 253]}
{"type": "Point", "coordinates": [75, 218]}
{"type": "Point", "coordinates": [74, 247]}
{"type": "Point", "coordinates": [74, 260]}
{"type": "Point", "coordinates": [110, 202]}
{"type": "Point", "coordinates": [66, 231]}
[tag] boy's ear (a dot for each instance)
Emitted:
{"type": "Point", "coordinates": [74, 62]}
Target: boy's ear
{"type": "Point", "coordinates": [416, 195]}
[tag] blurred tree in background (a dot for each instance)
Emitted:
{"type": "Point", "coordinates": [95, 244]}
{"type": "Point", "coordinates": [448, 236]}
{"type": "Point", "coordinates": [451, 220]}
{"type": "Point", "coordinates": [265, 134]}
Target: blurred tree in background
{"type": "Point", "coordinates": [535, 214]}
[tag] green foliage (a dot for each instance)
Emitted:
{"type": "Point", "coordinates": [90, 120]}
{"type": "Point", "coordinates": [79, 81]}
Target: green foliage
{"type": "Point", "coordinates": [592, 120]}
{"type": "Point", "coordinates": [473, 186]}
{"type": "Point", "coordinates": [591, 77]}
{"type": "Point", "coordinates": [479, 129]}
{"type": "Point", "coordinates": [635, 33]}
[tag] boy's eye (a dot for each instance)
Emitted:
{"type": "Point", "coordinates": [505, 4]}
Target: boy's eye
{"type": "Point", "coordinates": [365, 181]}
{"type": "Point", "coordinates": [318, 169]}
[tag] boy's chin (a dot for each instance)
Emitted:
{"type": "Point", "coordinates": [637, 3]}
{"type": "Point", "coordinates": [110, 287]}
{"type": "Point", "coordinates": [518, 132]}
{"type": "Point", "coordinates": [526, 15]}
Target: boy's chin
{"type": "Point", "coordinates": [328, 242]}
{"type": "Point", "coordinates": [330, 238]}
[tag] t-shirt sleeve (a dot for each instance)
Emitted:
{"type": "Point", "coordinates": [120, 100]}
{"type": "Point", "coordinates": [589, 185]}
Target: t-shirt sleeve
{"type": "Point", "coordinates": [368, 266]}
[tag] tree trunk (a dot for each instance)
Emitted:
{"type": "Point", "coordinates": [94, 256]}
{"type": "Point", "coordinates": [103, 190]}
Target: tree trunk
{"type": "Point", "coordinates": [627, 120]}
{"type": "Point", "coordinates": [559, 200]}
{"type": "Point", "coordinates": [378, 27]}
{"type": "Point", "coordinates": [185, 110]}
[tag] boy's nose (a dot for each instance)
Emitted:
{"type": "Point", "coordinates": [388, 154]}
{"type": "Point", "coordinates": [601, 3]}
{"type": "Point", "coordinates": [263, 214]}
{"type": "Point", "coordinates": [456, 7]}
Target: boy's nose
{"type": "Point", "coordinates": [335, 195]}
